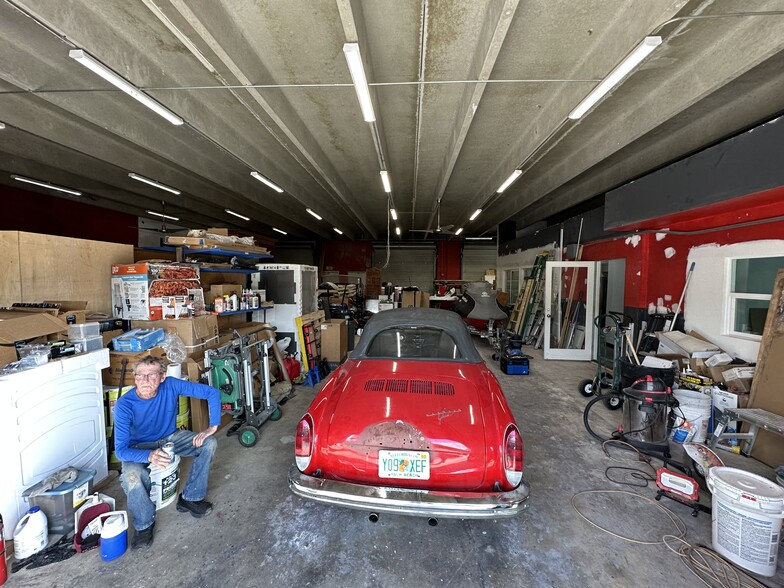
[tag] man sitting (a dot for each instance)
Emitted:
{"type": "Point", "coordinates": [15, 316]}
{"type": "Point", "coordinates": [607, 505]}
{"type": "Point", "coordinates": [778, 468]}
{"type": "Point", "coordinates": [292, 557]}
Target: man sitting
{"type": "Point", "coordinates": [144, 420]}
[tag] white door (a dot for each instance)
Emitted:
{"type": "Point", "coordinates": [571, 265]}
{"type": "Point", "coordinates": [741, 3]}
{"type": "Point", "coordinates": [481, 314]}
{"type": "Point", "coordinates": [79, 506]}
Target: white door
{"type": "Point", "coordinates": [569, 308]}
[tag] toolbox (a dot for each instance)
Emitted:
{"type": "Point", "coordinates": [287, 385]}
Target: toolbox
{"type": "Point", "coordinates": [514, 364]}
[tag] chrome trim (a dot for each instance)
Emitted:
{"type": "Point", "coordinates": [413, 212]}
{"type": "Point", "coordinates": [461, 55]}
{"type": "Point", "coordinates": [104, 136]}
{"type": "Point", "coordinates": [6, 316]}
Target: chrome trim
{"type": "Point", "coordinates": [404, 501]}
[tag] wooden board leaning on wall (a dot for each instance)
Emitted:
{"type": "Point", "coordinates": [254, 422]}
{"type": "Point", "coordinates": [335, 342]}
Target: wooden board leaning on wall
{"type": "Point", "coordinates": [44, 267]}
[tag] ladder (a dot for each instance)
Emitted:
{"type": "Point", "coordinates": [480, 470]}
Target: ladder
{"type": "Point", "coordinates": [533, 303]}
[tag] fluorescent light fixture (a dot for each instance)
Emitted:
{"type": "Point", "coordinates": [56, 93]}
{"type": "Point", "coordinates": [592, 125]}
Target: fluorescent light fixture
{"type": "Point", "coordinates": [458, 231]}
{"type": "Point", "coordinates": [354, 60]}
{"type": "Point", "coordinates": [393, 212]}
{"type": "Point", "coordinates": [479, 238]}
{"type": "Point", "coordinates": [176, 218]}
{"type": "Point", "coordinates": [139, 178]}
{"type": "Point", "coordinates": [2, 126]}
{"type": "Point", "coordinates": [237, 214]}
{"type": "Point", "coordinates": [99, 68]}
{"type": "Point", "coordinates": [311, 213]}
{"type": "Point", "coordinates": [632, 60]}
{"type": "Point", "coordinates": [385, 181]}
{"type": "Point", "coordinates": [510, 180]}
{"type": "Point", "coordinates": [46, 185]}
{"type": "Point", "coordinates": [397, 230]}
{"type": "Point", "coordinates": [337, 230]}
{"type": "Point", "coordinates": [264, 180]}
{"type": "Point", "coordinates": [477, 212]}
{"type": "Point", "coordinates": [279, 231]}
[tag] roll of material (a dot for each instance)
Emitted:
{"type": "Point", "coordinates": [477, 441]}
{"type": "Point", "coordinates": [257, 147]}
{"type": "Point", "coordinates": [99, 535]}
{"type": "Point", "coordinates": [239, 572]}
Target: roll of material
{"type": "Point", "coordinates": [174, 370]}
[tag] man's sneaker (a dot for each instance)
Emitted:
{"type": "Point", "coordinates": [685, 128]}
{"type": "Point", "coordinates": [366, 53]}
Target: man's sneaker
{"type": "Point", "coordinates": [197, 508]}
{"type": "Point", "coordinates": [143, 538]}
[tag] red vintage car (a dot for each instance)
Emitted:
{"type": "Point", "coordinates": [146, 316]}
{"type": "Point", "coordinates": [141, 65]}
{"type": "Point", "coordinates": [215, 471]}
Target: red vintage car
{"type": "Point", "coordinates": [412, 423]}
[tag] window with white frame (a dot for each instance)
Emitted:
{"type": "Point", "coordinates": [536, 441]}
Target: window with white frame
{"type": "Point", "coordinates": [750, 287]}
{"type": "Point", "coordinates": [512, 285]}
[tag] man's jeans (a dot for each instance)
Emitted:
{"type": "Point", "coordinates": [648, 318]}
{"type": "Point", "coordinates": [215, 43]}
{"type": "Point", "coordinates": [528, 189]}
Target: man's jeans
{"type": "Point", "coordinates": [135, 478]}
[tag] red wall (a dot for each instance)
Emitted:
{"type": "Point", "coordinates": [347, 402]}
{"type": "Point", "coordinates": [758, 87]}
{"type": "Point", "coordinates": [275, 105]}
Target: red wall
{"type": "Point", "coordinates": [650, 274]}
{"type": "Point", "coordinates": [449, 260]}
{"type": "Point", "coordinates": [347, 256]}
{"type": "Point", "coordinates": [38, 213]}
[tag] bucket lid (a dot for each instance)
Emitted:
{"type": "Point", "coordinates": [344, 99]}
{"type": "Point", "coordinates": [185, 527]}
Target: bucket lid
{"type": "Point", "coordinates": [750, 489]}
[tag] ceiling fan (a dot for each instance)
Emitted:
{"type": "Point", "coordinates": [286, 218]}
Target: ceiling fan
{"type": "Point", "coordinates": [443, 230]}
{"type": "Point", "coordinates": [163, 229]}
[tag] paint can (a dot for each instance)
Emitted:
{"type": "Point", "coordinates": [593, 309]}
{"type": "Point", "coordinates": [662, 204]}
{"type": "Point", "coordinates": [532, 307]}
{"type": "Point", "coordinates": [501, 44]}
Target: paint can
{"type": "Point", "coordinates": [747, 511]}
{"type": "Point", "coordinates": [31, 533]}
{"type": "Point", "coordinates": [164, 482]}
{"type": "Point", "coordinates": [694, 407]}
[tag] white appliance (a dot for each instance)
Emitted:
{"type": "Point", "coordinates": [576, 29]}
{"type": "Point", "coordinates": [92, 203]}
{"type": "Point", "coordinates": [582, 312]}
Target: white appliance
{"type": "Point", "coordinates": [51, 417]}
{"type": "Point", "coordinates": [294, 290]}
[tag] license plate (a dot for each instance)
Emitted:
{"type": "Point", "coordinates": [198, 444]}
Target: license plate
{"type": "Point", "coordinates": [404, 464]}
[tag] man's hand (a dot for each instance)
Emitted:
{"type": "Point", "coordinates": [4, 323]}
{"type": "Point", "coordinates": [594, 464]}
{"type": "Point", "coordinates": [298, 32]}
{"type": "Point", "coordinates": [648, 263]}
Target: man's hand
{"type": "Point", "coordinates": [159, 458]}
{"type": "Point", "coordinates": [199, 439]}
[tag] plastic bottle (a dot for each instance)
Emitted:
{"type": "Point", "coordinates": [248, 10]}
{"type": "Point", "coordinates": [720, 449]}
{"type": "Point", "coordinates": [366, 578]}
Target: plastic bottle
{"type": "Point", "coordinates": [31, 533]}
{"type": "Point", "coordinates": [235, 303]}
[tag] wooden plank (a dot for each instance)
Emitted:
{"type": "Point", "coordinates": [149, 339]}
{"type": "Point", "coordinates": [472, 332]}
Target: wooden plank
{"type": "Point", "coordinates": [766, 390]}
{"type": "Point", "coordinates": [10, 275]}
{"type": "Point", "coordinates": [62, 268]}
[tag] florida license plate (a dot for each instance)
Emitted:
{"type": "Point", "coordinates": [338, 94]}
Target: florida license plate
{"type": "Point", "coordinates": [404, 464]}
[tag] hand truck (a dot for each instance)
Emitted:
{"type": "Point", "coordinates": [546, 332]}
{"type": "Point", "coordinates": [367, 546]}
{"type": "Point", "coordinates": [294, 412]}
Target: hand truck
{"type": "Point", "coordinates": [610, 350]}
{"type": "Point", "coordinates": [229, 368]}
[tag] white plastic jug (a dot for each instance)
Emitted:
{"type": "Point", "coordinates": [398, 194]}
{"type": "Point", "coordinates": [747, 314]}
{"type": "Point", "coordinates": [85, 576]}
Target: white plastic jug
{"type": "Point", "coordinates": [31, 533]}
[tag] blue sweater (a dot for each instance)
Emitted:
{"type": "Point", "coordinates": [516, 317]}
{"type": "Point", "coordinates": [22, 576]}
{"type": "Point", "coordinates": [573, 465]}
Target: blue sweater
{"type": "Point", "coordinates": [142, 421]}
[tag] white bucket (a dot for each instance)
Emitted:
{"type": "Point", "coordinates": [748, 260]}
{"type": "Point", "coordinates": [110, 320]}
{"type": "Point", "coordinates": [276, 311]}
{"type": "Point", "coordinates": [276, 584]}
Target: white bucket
{"type": "Point", "coordinates": [164, 481]}
{"type": "Point", "coordinates": [695, 407]}
{"type": "Point", "coordinates": [31, 533]}
{"type": "Point", "coordinates": [747, 511]}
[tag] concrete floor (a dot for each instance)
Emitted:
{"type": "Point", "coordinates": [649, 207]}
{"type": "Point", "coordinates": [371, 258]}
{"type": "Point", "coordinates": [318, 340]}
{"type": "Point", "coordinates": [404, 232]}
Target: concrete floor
{"type": "Point", "coordinates": [260, 534]}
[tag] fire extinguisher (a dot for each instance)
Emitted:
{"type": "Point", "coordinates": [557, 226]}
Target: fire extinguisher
{"type": "Point", "coordinates": [3, 567]}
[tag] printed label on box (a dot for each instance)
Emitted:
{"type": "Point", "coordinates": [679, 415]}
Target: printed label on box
{"type": "Point", "coordinates": [80, 494]}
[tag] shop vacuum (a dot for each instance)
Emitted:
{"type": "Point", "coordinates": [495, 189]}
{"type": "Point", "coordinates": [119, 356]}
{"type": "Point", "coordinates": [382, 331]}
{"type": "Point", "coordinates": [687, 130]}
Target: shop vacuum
{"type": "Point", "coordinates": [647, 419]}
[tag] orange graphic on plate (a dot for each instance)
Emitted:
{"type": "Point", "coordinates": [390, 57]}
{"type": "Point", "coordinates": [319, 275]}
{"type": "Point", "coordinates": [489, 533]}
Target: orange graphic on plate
{"type": "Point", "coordinates": [403, 465]}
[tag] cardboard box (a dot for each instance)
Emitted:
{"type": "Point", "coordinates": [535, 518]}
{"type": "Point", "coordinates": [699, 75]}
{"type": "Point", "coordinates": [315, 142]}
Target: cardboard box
{"type": "Point", "coordinates": [200, 409]}
{"type": "Point", "coordinates": [221, 290]}
{"type": "Point", "coordinates": [138, 288]}
{"type": "Point", "coordinates": [739, 379]}
{"type": "Point", "coordinates": [25, 327]}
{"type": "Point", "coordinates": [416, 298]}
{"type": "Point", "coordinates": [718, 359]}
{"type": "Point", "coordinates": [71, 311]}
{"type": "Point", "coordinates": [111, 375]}
{"type": "Point", "coordinates": [686, 345]}
{"type": "Point", "coordinates": [334, 340]}
{"type": "Point", "coordinates": [198, 333]}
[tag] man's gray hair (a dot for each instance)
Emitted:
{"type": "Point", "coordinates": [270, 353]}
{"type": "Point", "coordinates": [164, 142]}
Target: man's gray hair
{"type": "Point", "coordinates": [152, 360]}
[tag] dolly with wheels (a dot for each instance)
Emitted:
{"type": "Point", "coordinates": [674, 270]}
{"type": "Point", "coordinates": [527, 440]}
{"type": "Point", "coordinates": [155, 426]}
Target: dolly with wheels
{"type": "Point", "coordinates": [229, 368]}
{"type": "Point", "coordinates": [609, 352]}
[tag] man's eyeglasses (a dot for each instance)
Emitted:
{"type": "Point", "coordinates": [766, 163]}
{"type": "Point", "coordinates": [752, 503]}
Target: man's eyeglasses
{"type": "Point", "coordinates": [147, 377]}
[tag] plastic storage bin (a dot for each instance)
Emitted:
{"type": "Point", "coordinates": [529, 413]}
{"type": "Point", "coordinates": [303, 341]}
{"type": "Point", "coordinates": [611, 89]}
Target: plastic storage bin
{"type": "Point", "coordinates": [84, 330]}
{"type": "Point", "coordinates": [59, 504]}
{"type": "Point", "coordinates": [89, 344]}
{"type": "Point", "coordinates": [514, 365]}
{"type": "Point", "coordinates": [138, 340]}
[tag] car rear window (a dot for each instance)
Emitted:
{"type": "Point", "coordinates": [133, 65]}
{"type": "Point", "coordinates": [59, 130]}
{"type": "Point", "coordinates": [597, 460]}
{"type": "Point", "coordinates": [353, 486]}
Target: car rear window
{"type": "Point", "coordinates": [414, 343]}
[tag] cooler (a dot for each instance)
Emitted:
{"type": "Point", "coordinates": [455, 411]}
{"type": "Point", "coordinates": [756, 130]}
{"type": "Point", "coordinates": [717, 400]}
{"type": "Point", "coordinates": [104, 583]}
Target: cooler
{"type": "Point", "coordinates": [514, 364]}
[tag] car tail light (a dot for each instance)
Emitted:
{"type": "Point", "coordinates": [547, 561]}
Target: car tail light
{"type": "Point", "coordinates": [513, 456]}
{"type": "Point", "coordinates": [303, 442]}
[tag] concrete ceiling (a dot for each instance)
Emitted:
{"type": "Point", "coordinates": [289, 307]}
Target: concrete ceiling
{"type": "Point", "coordinates": [464, 93]}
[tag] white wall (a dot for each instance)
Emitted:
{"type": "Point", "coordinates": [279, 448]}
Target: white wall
{"type": "Point", "coordinates": [705, 304]}
{"type": "Point", "coordinates": [521, 260]}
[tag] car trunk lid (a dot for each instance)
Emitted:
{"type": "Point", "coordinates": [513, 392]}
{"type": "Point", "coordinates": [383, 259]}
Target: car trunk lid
{"type": "Point", "coordinates": [409, 407]}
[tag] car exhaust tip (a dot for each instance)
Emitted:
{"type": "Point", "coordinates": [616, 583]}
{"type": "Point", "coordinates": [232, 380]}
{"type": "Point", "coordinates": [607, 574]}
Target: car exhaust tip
{"type": "Point", "coordinates": [373, 518]}
{"type": "Point", "coordinates": [432, 522]}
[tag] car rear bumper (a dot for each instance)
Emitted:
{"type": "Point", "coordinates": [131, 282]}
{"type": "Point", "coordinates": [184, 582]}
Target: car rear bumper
{"type": "Point", "coordinates": [459, 505]}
